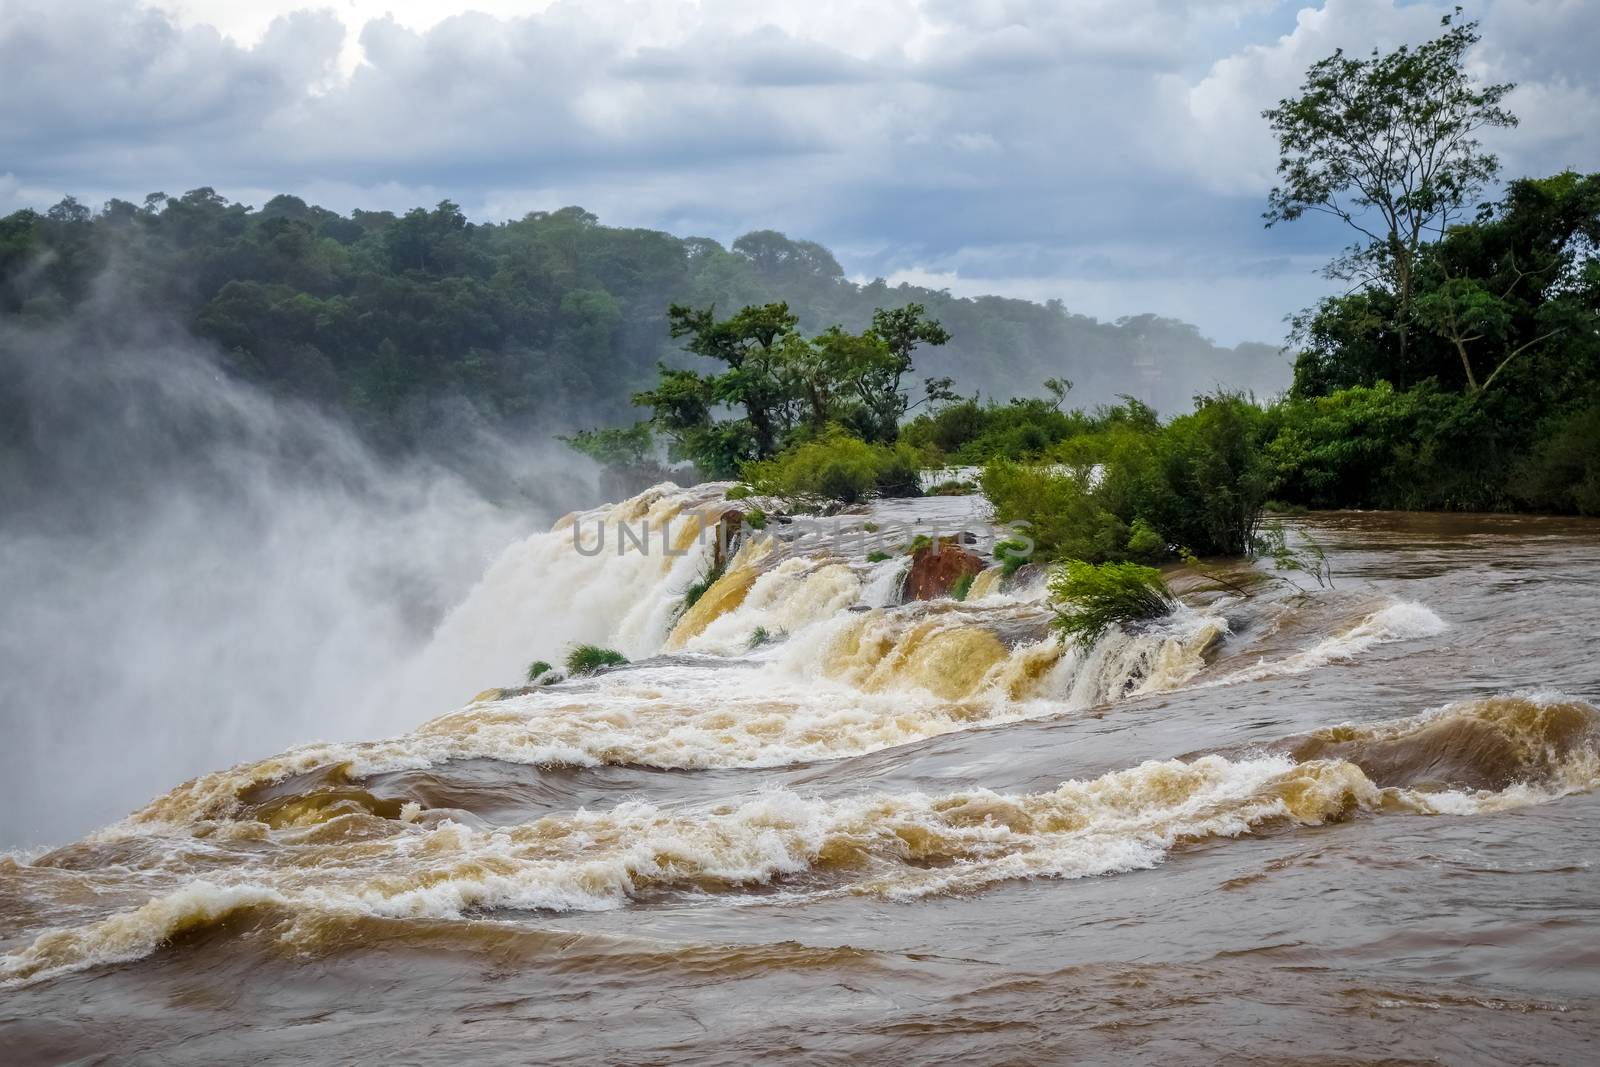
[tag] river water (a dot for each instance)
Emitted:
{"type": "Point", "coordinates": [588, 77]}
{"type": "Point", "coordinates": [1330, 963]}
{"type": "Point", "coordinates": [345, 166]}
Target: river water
{"type": "Point", "coordinates": [1347, 824]}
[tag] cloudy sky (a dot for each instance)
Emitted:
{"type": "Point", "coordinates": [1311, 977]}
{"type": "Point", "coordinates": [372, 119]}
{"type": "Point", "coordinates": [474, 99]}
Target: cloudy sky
{"type": "Point", "coordinates": [1107, 152]}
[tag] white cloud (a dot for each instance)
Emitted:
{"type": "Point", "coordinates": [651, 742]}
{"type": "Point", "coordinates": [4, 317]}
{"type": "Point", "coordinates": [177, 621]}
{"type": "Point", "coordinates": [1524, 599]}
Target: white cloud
{"type": "Point", "coordinates": [998, 138]}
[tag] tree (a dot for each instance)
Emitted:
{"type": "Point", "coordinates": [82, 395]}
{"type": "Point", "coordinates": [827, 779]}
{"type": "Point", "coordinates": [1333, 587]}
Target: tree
{"type": "Point", "coordinates": [1506, 301]}
{"type": "Point", "coordinates": [748, 344]}
{"type": "Point", "coordinates": [1388, 146]}
{"type": "Point", "coordinates": [1517, 277]}
{"type": "Point", "coordinates": [900, 330]}
{"type": "Point", "coordinates": [786, 385]}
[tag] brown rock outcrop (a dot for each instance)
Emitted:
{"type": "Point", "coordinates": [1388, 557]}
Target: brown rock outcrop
{"type": "Point", "coordinates": [936, 568]}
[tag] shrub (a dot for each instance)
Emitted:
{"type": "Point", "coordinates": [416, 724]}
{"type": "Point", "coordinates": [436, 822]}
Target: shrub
{"type": "Point", "coordinates": [1011, 555]}
{"type": "Point", "coordinates": [759, 636]}
{"type": "Point", "coordinates": [1064, 516]}
{"type": "Point", "coordinates": [969, 432]}
{"type": "Point", "coordinates": [962, 586]}
{"type": "Point", "coordinates": [953, 488]}
{"type": "Point", "coordinates": [587, 659]}
{"type": "Point", "coordinates": [536, 668]}
{"type": "Point", "coordinates": [1209, 477]}
{"type": "Point", "coordinates": [899, 472]}
{"type": "Point", "coordinates": [1564, 474]}
{"type": "Point", "coordinates": [738, 492]}
{"type": "Point", "coordinates": [1094, 597]}
{"type": "Point", "coordinates": [756, 519]}
{"type": "Point", "coordinates": [877, 557]}
{"type": "Point", "coordinates": [1376, 447]}
{"type": "Point", "coordinates": [1144, 542]}
{"type": "Point", "coordinates": [836, 467]}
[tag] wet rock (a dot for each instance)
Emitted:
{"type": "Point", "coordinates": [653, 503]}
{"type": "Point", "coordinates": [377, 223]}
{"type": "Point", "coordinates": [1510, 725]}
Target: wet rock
{"type": "Point", "coordinates": [730, 529]}
{"type": "Point", "coordinates": [504, 694]}
{"type": "Point", "coordinates": [935, 569]}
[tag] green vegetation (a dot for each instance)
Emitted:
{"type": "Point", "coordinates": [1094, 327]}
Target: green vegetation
{"type": "Point", "coordinates": [738, 492]}
{"type": "Point", "coordinates": [970, 433]}
{"type": "Point", "coordinates": [758, 637]}
{"type": "Point", "coordinates": [877, 557]}
{"type": "Point", "coordinates": [1011, 555]}
{"type": "Point", "coordinates": [961, 587]}
{"type": "Point", "coordinates": [587, 659]}
{"type": "Point", "coordinates": [835, 466]}
{"type": "Point", "coordinates": [1135, 488]}
{"type": "Point", "coordinates": [411, 324]}
{"type": "Point", "coordinates": [1091, 598]}
{"type": "Point", "coordinates": [785, 390]}
{"type": "Point", "coordinates": [953, 487]}
{"type": "Point", "coordinates": [1308, 557]}
{"type": "Point", "coordinates": [698, 587]}
{"type": "Point", "coordinates": [1462, 369]}
{"type": "Point", "coordinates": [536, 669]}
{"type": "Point", "coordinates": [756, 519]}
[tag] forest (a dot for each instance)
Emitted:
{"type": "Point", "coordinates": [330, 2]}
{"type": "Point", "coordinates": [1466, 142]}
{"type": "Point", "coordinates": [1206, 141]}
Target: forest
{"type": "Point", "coordinates": [538, 326]}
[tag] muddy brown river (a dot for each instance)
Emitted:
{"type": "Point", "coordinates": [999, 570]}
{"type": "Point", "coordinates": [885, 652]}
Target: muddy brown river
{"type": "Point", "coordinates": [809, 823]}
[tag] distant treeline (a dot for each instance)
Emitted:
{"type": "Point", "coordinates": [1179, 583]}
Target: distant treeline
{"type": "Point", "coordinates": [545, 324]}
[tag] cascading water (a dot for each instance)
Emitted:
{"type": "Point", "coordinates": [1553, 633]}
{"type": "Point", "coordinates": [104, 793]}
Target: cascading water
{"type": "Point", "coordinates": [801, 745]}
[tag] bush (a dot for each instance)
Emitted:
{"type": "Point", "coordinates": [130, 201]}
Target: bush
{"type": "Point", "coordinates": [1011, 555]}
{"type": "Point", "coordinates": [969, 432]}
{"type": "Point", "coordinates": [1209, 478]}
{"type": "Point", "coordinates": [877, 557]}
{"type": "Point", "coordinates": [962, 586]}
{"type": "Point", "coordinates": [1094, 597]}
{"type": "Point", "coordinates": [758, 637]}
{"type": "Point", "coordinates": [738, 492]}
{"type": "Point", "coordinates": [1145, 543]}
{"type": "Point", "coordinates": [1064, 516]}
{"type": "Point", "coordinates": [1134, 488]}
{"type": "Point", "coordinates": [836, 467]}
{"type": "Point", "coordinates": [1375, 447]}
{"type": "Point", "coordinates": [536, 668]}
{"type": "Point", "coordinates": [756, 519]}
{"type": "Point", "coordinates": [953, 488]}
{"type": "Point", "coordinates": [587, 659]}
{"type": "Point", "coordinates": [1564, 474]}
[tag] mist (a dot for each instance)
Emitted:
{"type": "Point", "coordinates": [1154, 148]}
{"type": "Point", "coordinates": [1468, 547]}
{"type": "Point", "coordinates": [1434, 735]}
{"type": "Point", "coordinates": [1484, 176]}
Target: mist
{"type": "Point", "coordinates": [196, 572]}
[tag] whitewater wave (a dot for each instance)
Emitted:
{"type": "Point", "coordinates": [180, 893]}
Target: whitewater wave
{"type": "Point", "coordinates": [1404, 620]}
{"type": "Point", "coordinates": [892, 845]}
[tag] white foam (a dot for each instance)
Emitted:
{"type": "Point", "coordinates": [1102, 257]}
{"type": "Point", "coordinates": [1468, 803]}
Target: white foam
{"type": "Point", "coordinates": [1403, 620]}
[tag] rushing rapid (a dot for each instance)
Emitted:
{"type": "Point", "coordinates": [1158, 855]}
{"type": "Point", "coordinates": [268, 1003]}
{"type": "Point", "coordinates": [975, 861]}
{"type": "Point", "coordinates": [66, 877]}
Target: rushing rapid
{"type": "Point", "coordinates": [1369, 807]}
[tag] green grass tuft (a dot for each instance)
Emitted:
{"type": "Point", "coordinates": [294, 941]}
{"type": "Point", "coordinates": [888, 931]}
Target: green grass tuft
{"type": "Point", "coordinates": [586, 659]}
{"type": "Point", "coordinates": [698, 587]}
{"type": "Point", "coordinates": [537, 668]}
